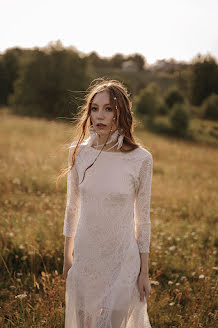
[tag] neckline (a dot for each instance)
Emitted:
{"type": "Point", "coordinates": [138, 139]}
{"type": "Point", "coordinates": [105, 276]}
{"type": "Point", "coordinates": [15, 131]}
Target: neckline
{"type": "Point", "coordinates": [112, 152]}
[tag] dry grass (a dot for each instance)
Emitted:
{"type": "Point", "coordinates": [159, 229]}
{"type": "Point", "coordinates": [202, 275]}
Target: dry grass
{"type": "Point", "coordinates": [183, 213]}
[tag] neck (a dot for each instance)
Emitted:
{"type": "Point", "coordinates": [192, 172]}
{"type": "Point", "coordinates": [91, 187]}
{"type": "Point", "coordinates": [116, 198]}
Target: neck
{"type": "Point", "coordinates": [103, 138]}
{"type": "Point", "coordinates": [101, 141]}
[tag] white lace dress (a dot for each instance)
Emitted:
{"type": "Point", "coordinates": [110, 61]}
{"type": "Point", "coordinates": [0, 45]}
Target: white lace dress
{"type": "Point", "coordinates": [108, 215]}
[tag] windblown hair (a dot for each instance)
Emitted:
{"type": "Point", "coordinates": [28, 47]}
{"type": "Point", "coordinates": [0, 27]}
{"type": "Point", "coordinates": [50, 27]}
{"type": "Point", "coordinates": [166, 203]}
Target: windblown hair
{"type": "Point", "coordinates": [122, 106]}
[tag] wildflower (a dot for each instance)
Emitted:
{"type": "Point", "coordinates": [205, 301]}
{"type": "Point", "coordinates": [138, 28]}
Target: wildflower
{"type": "Point", "coordinates": [21, 296]}
{"type": "Point", "coordinates": [172, 303]}
{"type": "Point", "coordinates": [178, 283]}
{"type": "Point", "coordinates": [215, 268]}
{"type": "Point", "coordinates": [154, 282]}
{"type": "Point", "coordinates": [170, 282]}
{"type": "Point", "coordinates": [171, 248]}
{"type": "Point", "coordinates": [201, 276]}
{"type": "Point", "coordinates": [21, 246]}
{"type": "Point", "coordinates": [183, 278]}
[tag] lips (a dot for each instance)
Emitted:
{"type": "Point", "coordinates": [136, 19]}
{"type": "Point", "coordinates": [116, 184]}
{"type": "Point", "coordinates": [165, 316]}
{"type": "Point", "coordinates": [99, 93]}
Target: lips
{"type": "Point", "coordinates": [100, 124]}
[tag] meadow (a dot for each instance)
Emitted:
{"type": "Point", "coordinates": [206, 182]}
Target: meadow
{"type": "Point", "coordinates": [184, 207]}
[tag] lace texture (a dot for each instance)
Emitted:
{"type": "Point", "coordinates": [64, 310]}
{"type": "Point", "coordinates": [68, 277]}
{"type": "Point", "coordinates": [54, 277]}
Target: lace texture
{"type": "Point", "coordinates": [73, 200]}
{"type": "Point", "coordinates": [142, 205]}
{"type": "Point", "coordinates": [108, 216]}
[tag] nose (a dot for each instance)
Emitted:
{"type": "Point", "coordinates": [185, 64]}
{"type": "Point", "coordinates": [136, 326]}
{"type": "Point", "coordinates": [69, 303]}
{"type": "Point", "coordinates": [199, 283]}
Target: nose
{"type": "Point", "coordinates": [100, 115]}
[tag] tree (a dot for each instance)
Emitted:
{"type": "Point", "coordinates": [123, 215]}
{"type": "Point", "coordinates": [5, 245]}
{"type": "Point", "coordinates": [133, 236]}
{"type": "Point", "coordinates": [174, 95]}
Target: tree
{"type": "Point", "coordinates": [204, 79]}
{"type": "Point", "coordinates": [41, 89]}
{"type": "Point", "coordinates": [210, 107]}
{"type": "Point", "coordinates": [173, 96]}
{"type": "Point", "coordinates": [139, 60]}
{"type": "Point", "coordinates": [3, 83]}
{"type": "Point", "coordinates": [9, 71]}
{"type": "Point", "coordinates": [179, 118]}
{"type": "Point", "coordinates": [117, 60]}
{"type": "Point", "coordinates": [147, 102]}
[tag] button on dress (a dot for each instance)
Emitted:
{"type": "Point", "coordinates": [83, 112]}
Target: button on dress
{"type": "Point", "coordinates": [108, 216]}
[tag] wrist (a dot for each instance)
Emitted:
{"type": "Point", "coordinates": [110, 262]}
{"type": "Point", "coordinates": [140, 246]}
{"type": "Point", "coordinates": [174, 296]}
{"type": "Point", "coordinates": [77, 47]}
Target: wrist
{"type": "Point", "coordinates": [144, 273]}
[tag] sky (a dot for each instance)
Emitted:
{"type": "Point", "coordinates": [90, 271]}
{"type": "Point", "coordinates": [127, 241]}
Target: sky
{"type": "Point", "coordinates": [157, 29]}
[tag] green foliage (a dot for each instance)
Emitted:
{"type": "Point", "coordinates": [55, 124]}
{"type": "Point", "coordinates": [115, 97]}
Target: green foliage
{"type": "Point", "coordinates": [97, 61]}
{"type": "Point", "coordinates": [41, 89]}
{"type": "Point", "coordinates": [204, 79]}
{"type": "Point", "coordinates": [117, 60]}
{"type": "Point", "coordinates": [9, 68]}
{"type": "Point", "coordinates": [163, 109]}
{"type": "Point", "coordinates": [3, 83]}
{"type": "Point", "coordinates": [173, 96]}
{"type": "Point", "coordinates": [179, 119]}
{"type": "Point", "coordinates": [210, 107]}
{"type": "Point", "coordinates": [36, 82]}
{"type": "Point", "coordinates": [147, 101]}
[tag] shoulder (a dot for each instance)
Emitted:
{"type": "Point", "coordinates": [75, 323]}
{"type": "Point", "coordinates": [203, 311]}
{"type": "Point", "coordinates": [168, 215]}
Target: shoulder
{"type": "Point", "coordinates": [71, 149]}
{"type": "Point", "coordinates": [80, 152]}
{"type": "Point", "coordinates": [73, 146]}
{"type": "Point", "coordinates": [143, 154]}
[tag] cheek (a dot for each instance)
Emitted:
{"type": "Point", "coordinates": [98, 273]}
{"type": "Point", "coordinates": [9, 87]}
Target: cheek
{"type": "Point", "coordinates": [110, 116]}
{"type": "Point", "coordinates": [92, 116]}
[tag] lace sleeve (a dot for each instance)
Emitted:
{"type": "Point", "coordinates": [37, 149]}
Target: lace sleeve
{"type": "Point", "coordinates": [73, 200]}
{"type": "Point", "coordinates": [142, 205]}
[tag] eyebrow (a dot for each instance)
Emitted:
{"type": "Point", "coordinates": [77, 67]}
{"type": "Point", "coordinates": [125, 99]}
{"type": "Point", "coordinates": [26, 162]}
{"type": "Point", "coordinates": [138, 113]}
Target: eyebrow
{"type": "Point", "coordinates": [104, 105]}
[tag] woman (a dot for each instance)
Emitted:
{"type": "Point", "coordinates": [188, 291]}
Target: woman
{"type": "Point", "coordinates": [107, 216]}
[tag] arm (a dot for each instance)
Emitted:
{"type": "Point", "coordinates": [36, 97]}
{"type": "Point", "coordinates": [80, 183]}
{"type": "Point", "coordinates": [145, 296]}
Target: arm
{"type": "Point", "coordinates": [142, 211]}
{"type": "Point", "coordinates": [71, 215]}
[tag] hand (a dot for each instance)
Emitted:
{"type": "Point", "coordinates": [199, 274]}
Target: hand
{"type": "Point", "coordinates": [66, 268]}
{"type": "Point", "coordinates": [144, 286]}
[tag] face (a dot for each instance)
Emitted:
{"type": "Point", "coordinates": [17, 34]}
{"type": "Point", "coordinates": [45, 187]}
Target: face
{"type": "Point", "coordinates": [102, 112]}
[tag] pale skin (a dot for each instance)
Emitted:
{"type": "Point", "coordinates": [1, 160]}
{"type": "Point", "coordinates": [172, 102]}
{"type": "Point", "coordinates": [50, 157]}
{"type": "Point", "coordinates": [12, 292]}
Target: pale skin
{"type": "Point", "coordinates": [102, 112]}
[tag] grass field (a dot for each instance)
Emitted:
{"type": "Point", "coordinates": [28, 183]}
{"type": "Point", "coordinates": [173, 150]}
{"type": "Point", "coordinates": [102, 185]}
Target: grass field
{"type": "Point", "coordinates": [184, 211]}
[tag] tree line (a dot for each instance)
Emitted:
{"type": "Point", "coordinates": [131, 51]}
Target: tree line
{"type": "Point", "coordinates": [50, 82]}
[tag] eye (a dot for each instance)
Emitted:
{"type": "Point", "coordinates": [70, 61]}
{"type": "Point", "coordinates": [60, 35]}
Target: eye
{"type": "Point", "coordinates": [109, 108]}
{"type": "Point", "coordinates": [93, 108]}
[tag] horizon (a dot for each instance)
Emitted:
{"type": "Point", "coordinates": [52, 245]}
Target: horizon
{"type": "Point", "coordinates": [108, 57]}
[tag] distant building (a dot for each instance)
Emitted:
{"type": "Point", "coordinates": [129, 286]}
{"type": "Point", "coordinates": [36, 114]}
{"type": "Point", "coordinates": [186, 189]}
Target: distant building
{"type": "Point", "coordinates": [130, 66]}
{"type": "Point", "coordinates": [167, 66]}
